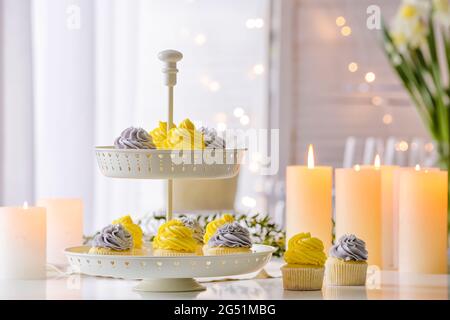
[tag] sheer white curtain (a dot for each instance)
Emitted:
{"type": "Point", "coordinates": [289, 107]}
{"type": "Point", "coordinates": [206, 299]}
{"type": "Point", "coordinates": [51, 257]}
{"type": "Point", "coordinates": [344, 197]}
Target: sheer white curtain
{"type": "Point", "coordinates": [16, 103]}
{"type": "Point", "coordinates": [64, 105]}
{"type": "Point", "coordinates": [81, 71]}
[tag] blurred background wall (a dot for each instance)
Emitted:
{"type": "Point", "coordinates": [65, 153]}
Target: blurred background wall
{"type": "Point", "coordinates": [75, 73]}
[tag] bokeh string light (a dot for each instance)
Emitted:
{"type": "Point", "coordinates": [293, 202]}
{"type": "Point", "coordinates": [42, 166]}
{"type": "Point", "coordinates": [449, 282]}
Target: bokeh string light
{"type": "Point", "coordinates": [257, 23]}
{"type": "Point", "coordinates": [346, 31]}
{"type": "Point", "coordinates": [352, 67]}
{"type": "Point", "coordinates": [340, 21]}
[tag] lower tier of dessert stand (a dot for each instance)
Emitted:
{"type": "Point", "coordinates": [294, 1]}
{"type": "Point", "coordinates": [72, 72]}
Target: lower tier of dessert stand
{"type": "Point", "coordinates": [167, 274]}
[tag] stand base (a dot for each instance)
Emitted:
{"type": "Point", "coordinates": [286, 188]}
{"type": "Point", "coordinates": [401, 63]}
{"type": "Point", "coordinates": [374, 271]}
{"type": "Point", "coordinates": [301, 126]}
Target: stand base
{"type": "Point", "coordinates": [169, 285]}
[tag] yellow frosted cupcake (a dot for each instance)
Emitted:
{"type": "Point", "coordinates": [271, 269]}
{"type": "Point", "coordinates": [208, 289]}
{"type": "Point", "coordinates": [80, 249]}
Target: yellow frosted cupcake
{"type": "Point", "coordinates": [134, 229]}
{"type": "Point", "coordinates": [174, 239]}
{"type": "Point", "coordinates": [197, 232]}
{"type": "Point", "coordinates": [113, 240]}
{"type": "Point", "coordinates": [159, 135]}
{"type": "Point", "coordinates": [305, 259]}
{"type": "Point", "coordinates": [183, 137]}
{"type": "Point", "coordinates": [230, 238]}
{"type": "Point", "coordinates": [347, 262]}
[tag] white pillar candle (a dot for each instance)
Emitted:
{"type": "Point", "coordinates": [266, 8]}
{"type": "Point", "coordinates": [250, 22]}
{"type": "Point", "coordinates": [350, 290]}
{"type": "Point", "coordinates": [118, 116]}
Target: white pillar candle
{"type": "Point", "coordinates": [423, 221]}
{"type": "Point", "coordinates": [395, 220]}
{"type": "Point", "coordinates": [64, 226]}
{"type": "Point", "coordinates": [308, 200]}
{"type": "Point", "coordinates": [22, 242]}
{"type": "Point", "coordinates": [358, 207]}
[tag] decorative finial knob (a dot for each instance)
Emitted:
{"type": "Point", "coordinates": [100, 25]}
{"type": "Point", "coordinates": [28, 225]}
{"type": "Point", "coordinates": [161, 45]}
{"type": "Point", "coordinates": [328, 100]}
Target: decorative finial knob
{"type": "Point", "coordinates": [170, 59]}
{"type": "Point", "coordinates": [170, 56]}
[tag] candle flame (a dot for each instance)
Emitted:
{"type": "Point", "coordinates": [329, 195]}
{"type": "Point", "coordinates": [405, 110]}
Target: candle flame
{"type": "Point", "coordinates": [377, 162]}
{"type": "Point", "coordinates": [357, 167]}
{"type": "Point", "coordinates": [417, 167]}
{"type": "Point", "coordinates": [310, 157]}
{"type": "Point", "coordinates": [25, 205]}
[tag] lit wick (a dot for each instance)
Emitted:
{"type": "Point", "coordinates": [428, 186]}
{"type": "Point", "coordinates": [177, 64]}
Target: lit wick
{"type": "Point", "coordinates": [310, 157]}
{"type": "Point", "coordinates": [377, 162]}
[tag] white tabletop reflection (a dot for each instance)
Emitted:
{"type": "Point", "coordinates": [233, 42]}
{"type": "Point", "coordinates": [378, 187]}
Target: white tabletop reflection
{"type": "Point", "coordinates": [380, 285]}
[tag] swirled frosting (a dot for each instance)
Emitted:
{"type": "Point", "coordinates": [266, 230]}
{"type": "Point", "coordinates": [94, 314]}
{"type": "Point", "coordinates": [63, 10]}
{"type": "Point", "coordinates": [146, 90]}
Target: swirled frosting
{"type": "Point", "coordinates": [197, 230]}
{"type": "Point", "coordinates": [231, 235]}
{"type": "Point", "coordinates": [212, 227]}
{"type": "Point", "coordinates": [212, 139]}
{"type": "Point", "coordinates": [174, 235]}
{"type": "Point", "coordinates": [134, 138]}
{"type": "Point", "coordinates": [115, 237]}
{"type": "Point", "coordinates": [159, 134]}
{"type": "Point", "coordinates": [305, 250]}
{"type": "Point", "coordinates": [134, 229]}
{"type": "Point", "coordinates": [183, 137]}
{"type": "Point", "coordinates": [349, 248]}
{"type": "Point", "coordinates": [186, 124]}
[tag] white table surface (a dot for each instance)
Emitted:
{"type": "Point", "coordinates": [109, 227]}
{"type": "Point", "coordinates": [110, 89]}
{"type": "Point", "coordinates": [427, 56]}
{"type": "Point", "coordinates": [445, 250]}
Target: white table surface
{"type": "Point", "coordinates": [380, 285]}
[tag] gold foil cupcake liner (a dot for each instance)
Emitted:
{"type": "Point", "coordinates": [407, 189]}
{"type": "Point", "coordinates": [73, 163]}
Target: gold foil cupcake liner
{"type": "Point", "coordinates": [199, 250]}
{"type": "Point", "coordinates": [110, 252]}
{"type": "Point", "coordinates": [302, 278]}
{"type": "Point", "coordinates": [219, 251]}
{"type": "Point", "coordinates": [341, 273]}
{"type": "Point", "coordinates": [171, 253]}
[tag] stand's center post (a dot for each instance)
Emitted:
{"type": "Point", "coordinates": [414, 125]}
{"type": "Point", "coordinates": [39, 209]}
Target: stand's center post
{"type": "Point", "coordinates": [170, 59]}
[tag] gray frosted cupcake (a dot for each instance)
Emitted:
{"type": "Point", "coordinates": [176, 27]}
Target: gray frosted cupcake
{"type": "Point", "coordinates": [134, 138]}
{"type": "Point", "coordinates": [113, 240]}
{"type": "Point", "coordinates": [347, 262]}
{"type": "Point", "coordinates": [212, 139]}
{"type": "Point", "coordinates": [231, 238]}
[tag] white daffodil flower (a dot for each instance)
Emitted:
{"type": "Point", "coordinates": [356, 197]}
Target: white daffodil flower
{"type": "Point", "coordinates": [409, 28]}
{"type": "Point", "coordinates": [442, 12]}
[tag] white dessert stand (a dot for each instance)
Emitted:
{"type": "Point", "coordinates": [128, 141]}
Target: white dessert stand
{"type": "Point", "coordinates": [166, 274]}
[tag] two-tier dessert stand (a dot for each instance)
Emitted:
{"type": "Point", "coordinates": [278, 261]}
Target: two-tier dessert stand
{"type": "Point", "coordinates": [168, 273]}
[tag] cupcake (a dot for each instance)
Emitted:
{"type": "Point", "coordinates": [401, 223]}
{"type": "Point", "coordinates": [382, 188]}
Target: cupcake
{"type": "Point", "coordinates": [347, 262]}
{"type": "Point", "coordinates": [134, 138]}
{"type": "Point", "coordinates": [212, 139]}
{"type": "Point", "coordinates": [305, 258]}
{"type": "Point", "coordinates": [197, 232]}
{"type": "Point", "coordinates": [174, 239]}
{"type": "Point", "coordinates": [134, 229]}
{"type": "Point", "coordinates": [114, 239]}
{"type": "Point", "coordinates": [230, 238]}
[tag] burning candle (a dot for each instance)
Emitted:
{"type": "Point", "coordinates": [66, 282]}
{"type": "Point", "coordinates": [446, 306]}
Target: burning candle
{"type": "Point", "coordinates": [64, 226]}
{"type": "Point", "coordinates": [358, 207]}
{"type": "Point", "coordinates": [22, 242]}
{"type": "Point", "coordinates": [308, 200]}
{"type": "Point", "coordinates": [423, 221]}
